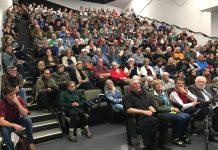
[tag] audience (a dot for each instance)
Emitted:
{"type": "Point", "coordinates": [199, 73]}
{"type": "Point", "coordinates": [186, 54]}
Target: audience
{"type": "Point", "coordinates": [103, 39]}
{"type": "Point", "coordinates": [139, 104]}
{"type": "Point", "coordinates": [179, 120]}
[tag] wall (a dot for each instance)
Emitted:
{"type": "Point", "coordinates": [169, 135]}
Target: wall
{"type": "Point", "coordinates": [183, 13]}
{"type": "Point", "coordinates": [214, 23]}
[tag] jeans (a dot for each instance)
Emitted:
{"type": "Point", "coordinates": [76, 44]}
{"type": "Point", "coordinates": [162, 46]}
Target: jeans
{"type": "Point", "coordinates": [118, 106]}
{"type": "Point", "coordinates": [180, 122]}
{"type": "Point", "coordinates": [6, 132]}
{"type": "Point", "coordinates": [22, 94]}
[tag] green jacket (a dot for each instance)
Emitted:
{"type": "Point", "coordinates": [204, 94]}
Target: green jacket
{"type": "Point", "coordinates": [40, 85]}
{"type": "Point", "coordinates": [60, 77]}
{"type": "Point", "coordinates": [158, 104]}
{"type": "Point", "coordinates": [67, 98]}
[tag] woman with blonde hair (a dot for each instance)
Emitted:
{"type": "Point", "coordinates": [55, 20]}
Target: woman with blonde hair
{"type": "Point", "coordinates": [113, 95]}
{"type": "Point", "coordinates": [81, 77]}
{"type": "Point", "coordinates": [171, 67]}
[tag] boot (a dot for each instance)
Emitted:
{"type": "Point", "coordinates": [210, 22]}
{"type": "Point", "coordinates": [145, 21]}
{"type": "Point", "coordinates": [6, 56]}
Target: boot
{"type": "Point", "coordinates": [32, 147]}
{"type": "Point", "coordinates": [88, 132]}
{"type": "Point", "coordinates": [72, 136]}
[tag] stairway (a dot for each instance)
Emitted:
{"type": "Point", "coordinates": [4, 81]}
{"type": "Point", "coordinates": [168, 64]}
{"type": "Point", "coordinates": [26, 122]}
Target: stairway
{"type": "Point", "coordinates": [45, 125]}
{"type": "Point", "coordinates": [24, 36]}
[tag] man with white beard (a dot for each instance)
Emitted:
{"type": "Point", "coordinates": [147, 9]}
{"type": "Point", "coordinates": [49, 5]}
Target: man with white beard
{"type": "Point", "coordinates": [199, 90]}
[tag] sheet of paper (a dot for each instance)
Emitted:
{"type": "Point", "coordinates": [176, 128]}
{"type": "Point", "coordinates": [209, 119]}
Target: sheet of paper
{"type": "Point", "coordinates": [14, 138]}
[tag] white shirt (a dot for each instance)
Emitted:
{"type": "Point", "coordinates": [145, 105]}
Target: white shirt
{"type": "Point", "coordinates": [174, 97]}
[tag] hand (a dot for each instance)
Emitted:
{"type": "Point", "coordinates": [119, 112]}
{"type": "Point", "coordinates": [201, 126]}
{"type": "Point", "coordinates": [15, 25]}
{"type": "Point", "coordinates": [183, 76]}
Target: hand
{"type": "Point", "coordinates": [151, 108]}
{"type": "Point", "coordinates": [49, 89]}
{"type": "Point", "coordinates": [75, 104]}
{"type": "Point", "coordinates": [17, 89]}
{"type": "Point", "coordinates": [15, 99]}
{"type": "Point", "coordinates": [18, 127]}
{"type": "Point", "coordinates": [182, 90]}
{"type": "Point", "coordinates": [195, 103]}
{"type": "Point", "coordinates": [175, 109]}
{"type": "Point", "coordinates": [148, 113]}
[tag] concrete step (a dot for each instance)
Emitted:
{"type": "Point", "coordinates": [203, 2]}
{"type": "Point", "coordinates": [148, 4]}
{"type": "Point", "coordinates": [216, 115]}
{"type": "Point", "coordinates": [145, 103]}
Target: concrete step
{"type": "Point", "coordinates": [45, 125]}
{"type": "Point", "coordinates": [41, 115]}
{"type": "Point", "coordinates": [47, 135]}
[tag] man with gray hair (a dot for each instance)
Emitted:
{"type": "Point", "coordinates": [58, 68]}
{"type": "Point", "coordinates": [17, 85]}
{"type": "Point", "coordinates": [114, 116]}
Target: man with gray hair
{"type": "Point", "coordinates": [203, 95]}
{"type": "Point", "coordinates": [138, 103]}
{"type": "Point", "coordinates": [213, 90]}
{"type": "Point", "coordinates": [167, 82]}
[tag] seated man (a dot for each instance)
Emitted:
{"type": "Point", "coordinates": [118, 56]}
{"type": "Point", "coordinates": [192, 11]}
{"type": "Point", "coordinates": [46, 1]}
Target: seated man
{"type": "Point", "coordinates": [61, 77]}
{"type": "Point", "coordinates": [179, 120]}
{"type": "Point", "coordinates": [167, 82]}
{"type": "Point", "coordinates": [14, 79]}
{"type": "Point", "coordinates": [203, 96]}
{"type": "Point", "coordinates": [138, 103]}
{"type": "Point", "coordinates": [213, 90]}
{"type": "Point", "coordinates": [13, 114]}
{"type": "Point", "coordinates": [183, 97]}
{"type": "Point", "coordinates": [47, 91]}
{"type": "Point", "coordinates": [72, 100]}
{"type": "Point", "coordinates": [101, 74]}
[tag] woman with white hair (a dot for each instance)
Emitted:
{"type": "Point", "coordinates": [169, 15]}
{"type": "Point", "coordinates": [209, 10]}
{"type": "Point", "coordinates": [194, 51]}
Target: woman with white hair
{"type": "Point", "coordinates": [60, 48]}
{"type": "Point", "coordinates": [118, 75]}
{"type": "Point", "coordinates": [147, 70]}
{"type": "Point", "coordinates": [113, 95]}
{"type": "Point", "coordinates": [131, 69]}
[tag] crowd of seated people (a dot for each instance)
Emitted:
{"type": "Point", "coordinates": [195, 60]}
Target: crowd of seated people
{"type": "Point", "coordinates": [90, 47]}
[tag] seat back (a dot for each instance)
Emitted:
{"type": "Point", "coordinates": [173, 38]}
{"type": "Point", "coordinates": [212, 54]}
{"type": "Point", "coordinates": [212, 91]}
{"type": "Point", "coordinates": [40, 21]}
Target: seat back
{"type": "Point", "coordinates": [125, 89]}
{"type": "Point", "coordinates": [91, 94]}
{"type": "Point", "coordinates": [119, 89]}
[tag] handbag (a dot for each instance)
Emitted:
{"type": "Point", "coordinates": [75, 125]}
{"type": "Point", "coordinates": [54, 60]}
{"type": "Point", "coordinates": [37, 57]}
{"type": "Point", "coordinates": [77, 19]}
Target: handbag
{"type": "Point", "coordinates": [22, 144]}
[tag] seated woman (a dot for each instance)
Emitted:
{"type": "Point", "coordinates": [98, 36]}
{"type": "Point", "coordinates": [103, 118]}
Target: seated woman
{"type": "Point", "coordinates": [113, 95]}
{"type": "Point", "coordinates": [61, 77]}
{"type": "Point", "coordinates": [118, 75]}
{"type": "Point", "coordinates": [206, 73]}
{"type": "Point", "coordinates": [132, 70]}
{"type": "Point", "coordinates": [179, 120]}
{"type": "Point", "coordinates": [171, 67]}
{"type": "Point", "coordinates": [69, 62]}
{"type": "Point", "coordinates": [192, 74]}
{"type": "Point", "coordinates": [72, 100]}
{"type": "Point", "coordinates": [51, 61]}
{"type": "Point", "coordinates": [59, 48]}
{"type": "Point", "coordinates": [82, 78]}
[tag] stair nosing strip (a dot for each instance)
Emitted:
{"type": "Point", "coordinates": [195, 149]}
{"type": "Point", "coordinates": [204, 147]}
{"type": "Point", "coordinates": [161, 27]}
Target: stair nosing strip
{"type": "Point", "coordinates": [41, 115]}
{"type": "Point", "coordinates": [35, 126]}
{"type": "Point", "coordinates": [47, 135]}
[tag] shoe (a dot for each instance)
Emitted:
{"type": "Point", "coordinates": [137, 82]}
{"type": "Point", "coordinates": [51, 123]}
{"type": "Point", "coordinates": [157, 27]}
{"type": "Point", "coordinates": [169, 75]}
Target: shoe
{"type": "Point", "coordinates": [213, 132]}
{"type": "Point", "coordinates": [178, 142]}
{"type": "Point", "coordinates": [32, 147]}
{"type": "Point", "coordinates": [72, 138]}
{"type": "Point", "coordinates": [164, 148]}
{"type": "Point", "coordinates": [186, 140]}
{"type": "Point", "coordinates": [88, 132]}
{"type": "Point", "coordinates": [213, 139]}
